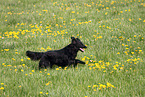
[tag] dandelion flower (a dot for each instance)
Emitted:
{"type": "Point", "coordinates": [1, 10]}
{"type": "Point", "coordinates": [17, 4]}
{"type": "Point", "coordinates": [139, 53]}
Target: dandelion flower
{"type": "Point", "coordinates": [48, 73]}
{"type": "Point", "coordinates": [2, 83]}
{"type": "Point", "coordinates": [2, 88]}
{"type": "Point", "coordinates": [41, 92]}
{"type": "Point", "coordinates": [118, 53]}
{"type": "Point", "coordinates": [129, 19]}
{"type": "Point", "coordinates": [73, 12]}
{"type": "Point", "coordinates": [28, 58]}
{"type": "Point", "coordinates": [33, 71]}
{"type": "Point", "coordinates": [15, 70]}
{"type": "Point", "coordinates": [22, 59]}
{"type": "Point", "coordinates": [6, 49]}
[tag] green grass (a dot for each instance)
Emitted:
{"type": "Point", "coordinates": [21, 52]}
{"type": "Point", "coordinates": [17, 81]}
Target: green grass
{"type": "Point", "coordinates": [112, 30]}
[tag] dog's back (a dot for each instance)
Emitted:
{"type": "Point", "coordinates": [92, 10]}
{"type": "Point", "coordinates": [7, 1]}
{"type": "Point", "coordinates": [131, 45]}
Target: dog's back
{"type": "Point", "coordinates": [34, 55]}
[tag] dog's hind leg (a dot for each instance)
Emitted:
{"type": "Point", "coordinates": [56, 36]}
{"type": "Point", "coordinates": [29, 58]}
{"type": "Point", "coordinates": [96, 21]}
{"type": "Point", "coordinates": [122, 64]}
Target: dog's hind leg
{"type": "Point", "coordinates": [41, 64]}
{"type": "Point", "coordinates": [44, 64]}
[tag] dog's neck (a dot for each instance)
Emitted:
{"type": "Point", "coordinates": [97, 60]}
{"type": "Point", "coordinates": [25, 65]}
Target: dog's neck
{"type": "Point", "coordinates": [71, 50]}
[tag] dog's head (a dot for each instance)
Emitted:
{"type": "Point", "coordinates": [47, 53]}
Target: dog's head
{"type": "Point", "coordinates": [78, 44]}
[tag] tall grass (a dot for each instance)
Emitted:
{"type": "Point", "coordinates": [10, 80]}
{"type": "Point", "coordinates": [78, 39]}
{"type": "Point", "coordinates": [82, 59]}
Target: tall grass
{"type": "Point", "coordinates": [112, 30]}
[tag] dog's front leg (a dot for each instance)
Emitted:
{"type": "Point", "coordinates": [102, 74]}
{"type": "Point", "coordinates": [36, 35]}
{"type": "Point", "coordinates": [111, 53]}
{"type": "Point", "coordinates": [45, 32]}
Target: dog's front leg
{"type": "Point", "coordinates": [76, 61]}
{"type": "Point", "coordinates": [79, 61]}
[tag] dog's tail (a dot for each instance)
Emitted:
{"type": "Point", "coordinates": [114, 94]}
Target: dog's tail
{"type": "Point", "coordinates": [34, 55]}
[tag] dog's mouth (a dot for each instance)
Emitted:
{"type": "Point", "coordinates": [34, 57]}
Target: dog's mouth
{"type": "Point", "coordinates": [82, 50]}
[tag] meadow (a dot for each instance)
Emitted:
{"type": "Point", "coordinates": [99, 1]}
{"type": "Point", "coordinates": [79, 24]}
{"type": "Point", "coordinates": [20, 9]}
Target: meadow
{"type": "Point", "coordinates": [113, 31]}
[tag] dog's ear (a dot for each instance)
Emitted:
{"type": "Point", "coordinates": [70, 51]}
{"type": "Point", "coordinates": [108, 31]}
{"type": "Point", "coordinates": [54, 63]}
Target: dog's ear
{"type": "Point", "coordinates": [73, 40]}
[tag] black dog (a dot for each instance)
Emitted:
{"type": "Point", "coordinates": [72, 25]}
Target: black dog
{"type": "Point", "coordinates": [63, 57]}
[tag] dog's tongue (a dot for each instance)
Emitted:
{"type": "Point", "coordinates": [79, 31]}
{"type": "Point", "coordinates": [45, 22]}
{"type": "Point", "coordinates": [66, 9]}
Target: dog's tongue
{"type": "Point", "coordinates": [81, 49]}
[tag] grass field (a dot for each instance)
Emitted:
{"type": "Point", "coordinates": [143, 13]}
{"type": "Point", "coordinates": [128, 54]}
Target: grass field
{"type": "Point", "coordinates": [114, 32]}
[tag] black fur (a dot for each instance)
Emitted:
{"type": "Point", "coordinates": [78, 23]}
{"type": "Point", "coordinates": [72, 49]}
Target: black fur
{"type": "Point", "coordinates": [63, 57]}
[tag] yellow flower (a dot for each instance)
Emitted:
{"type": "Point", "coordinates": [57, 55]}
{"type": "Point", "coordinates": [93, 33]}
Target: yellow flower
{"type": "Point", "coordinates": [2, 88]}
{"type": "Point", "coordinates": [48, 73]}
{"type": "Point", "coordinates": [33, 71]}
{"type": "Point", "coordinates": [127, 48]}
{"type": "Point", "coordinates": [16, 52]}
{"type": "Point", "coordinates": [108, 84]}
{"type": "Point", "coordinates": [13, 59]}
{"type": "Point", "coordinates": [28, 58]}
{"type": "Point", "coordinates": [6, 49]}
{"type": "Point", "coordinates": [132, 52]}
{"type": "Point", "coordinates": [95, 90]}
{"type": "Point", "coordinates": [23, 65]}
{"type": "Point", "coordinates": [73, 12]}
{"type": "Point", "coordinates": [15, 70]}
{"type": "Point", "coordinates": [129, 19]}
{"type": "Point", "coordinates": [95, 86]}
{"type": "Point", "coordinates": [56, 24]}
{"type": "Point", "coordinates": [2, 83]}
{"type": "Point", "coordinates": [121, 68]}
{"type": "Point", "coordinates": [40, 71]}
{"type": "Point", "coordinates": [122, 44]}
{"type": "Point", "coordinates": [90, 68]}
{"type": "Point", "coordinates": [41, 92]}
{"type": "Point", "coordinates": [115, 67]}
{"type": "Point", "coordinates": [47, 84]}
{"type": "Point", "coordinates": [118, 53]}
{"type": "Point", "coordinates": [9, 65]}
{"type": "Point", "coordinates": [104, 71]}
{"type": "Point", "coordinates": [102, 86]}
{"type": "Point", "coordinates": [83, 59]}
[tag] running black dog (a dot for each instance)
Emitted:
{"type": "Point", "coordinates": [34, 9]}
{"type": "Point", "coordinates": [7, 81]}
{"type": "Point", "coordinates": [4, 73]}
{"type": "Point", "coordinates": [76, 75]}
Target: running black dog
{"type": "Point", "coordinates": [63, 57]}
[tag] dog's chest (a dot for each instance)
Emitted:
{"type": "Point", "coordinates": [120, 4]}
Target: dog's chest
{"type": "Point", "coordinates": [72, 56]}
